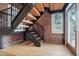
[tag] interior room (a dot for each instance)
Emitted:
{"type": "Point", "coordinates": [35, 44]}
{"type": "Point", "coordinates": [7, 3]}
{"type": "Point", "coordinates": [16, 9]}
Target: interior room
{"type": "Point", "coordinates": [39, 29]}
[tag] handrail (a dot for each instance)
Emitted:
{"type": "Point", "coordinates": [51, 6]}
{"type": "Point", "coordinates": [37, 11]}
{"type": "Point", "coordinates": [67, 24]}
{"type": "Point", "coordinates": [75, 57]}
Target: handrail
{"type": "Point", "coordinates": [39, 25]}
{"type": "Point", "coordinates": [39, 29]}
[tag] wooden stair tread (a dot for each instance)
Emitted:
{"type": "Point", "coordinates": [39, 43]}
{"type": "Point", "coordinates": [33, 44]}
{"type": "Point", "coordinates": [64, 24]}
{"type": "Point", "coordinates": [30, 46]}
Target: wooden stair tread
{"type": "Point", "coordinates": [23, 26]}
{"type": "Point", "coordinates": [37, 38]}
{"type": "Point", "coordinates": [27, 21]}
{"type": "Point", "coordinates": [30, 17]}
{"type": "Point", "coordinates": [33, 32]}
{"type": "Point", "coordinates": [35, 35]}
{"type": "Point", "coordinates": [35, 12]}
{"type": "Point", "coordinates": [46, 5]}
{"type": "Point", "coordinates": [39, 7]}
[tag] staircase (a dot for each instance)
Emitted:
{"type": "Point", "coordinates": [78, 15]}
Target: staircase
{"type": "Point", "coordinates": [11, 17]}
{"type": "Point", "coordinates": [31, 32]}
{"type": "Point", "coordinates": [35, 38]}
{"type": "Point", "coordinates": [26, 18]}
{"type": "Point", "coordinates": [35, 35]}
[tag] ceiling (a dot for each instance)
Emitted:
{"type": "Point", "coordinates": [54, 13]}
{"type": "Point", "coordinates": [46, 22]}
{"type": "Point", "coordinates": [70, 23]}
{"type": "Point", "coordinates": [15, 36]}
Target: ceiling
{"type": "Point", "coordinates": [56, 6]}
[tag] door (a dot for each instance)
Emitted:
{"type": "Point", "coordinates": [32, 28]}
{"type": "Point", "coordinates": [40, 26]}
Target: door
{"type": "Point", "coordinates": [71, 25]}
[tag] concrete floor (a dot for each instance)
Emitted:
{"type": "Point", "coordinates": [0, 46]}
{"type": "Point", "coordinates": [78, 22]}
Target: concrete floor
{"type": "Point", "coordinates": [22, 49]}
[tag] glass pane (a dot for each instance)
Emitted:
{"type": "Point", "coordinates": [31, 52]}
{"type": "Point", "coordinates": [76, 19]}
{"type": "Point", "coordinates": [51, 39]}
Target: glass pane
{"type": "Point", "coordinates": [57, 23]}
{"type": "Point", "coordinates": [72, 25]}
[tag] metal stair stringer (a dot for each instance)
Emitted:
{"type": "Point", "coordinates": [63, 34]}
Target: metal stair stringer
{"type": "Point", "coordinates": [19, 17]}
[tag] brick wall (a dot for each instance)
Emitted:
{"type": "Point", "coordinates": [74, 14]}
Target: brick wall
{"type": "Point", "coordinates": [11, 39]}
{"type": "Point", "coordinates": [50, 37]}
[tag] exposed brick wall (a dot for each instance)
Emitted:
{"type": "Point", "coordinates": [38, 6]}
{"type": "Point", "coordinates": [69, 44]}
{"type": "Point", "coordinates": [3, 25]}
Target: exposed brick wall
{"type": "Point", "coordinates": [50, 37]}
{"type": "Point", "coordinates": [11, 39]}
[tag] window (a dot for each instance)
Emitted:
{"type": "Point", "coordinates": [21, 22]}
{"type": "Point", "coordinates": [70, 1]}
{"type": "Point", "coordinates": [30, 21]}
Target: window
{"type": "Point", "coordinates": [14, 12]}
{"type": "Point", "coordinates": [57, 23]}
{"type": "Point", "coordinates": [72, 24]}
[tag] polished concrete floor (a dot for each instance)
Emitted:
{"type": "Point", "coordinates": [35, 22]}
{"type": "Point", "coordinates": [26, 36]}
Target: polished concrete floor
{"type": "Point", "coordinates": [22, 49]}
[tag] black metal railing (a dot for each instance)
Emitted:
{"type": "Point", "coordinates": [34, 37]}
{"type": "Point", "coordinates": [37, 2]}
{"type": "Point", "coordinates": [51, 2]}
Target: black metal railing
{"type": "Point", "coordinates": [29, 36]}
{"type": "Point", "coordinates": [13, 11]}
{"type": "Point", "coordinates": [39, 29]}
{"type": "Point", "coordinates": [4, 20]}
{"type": "Point", "coordinates": [7, 16]}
